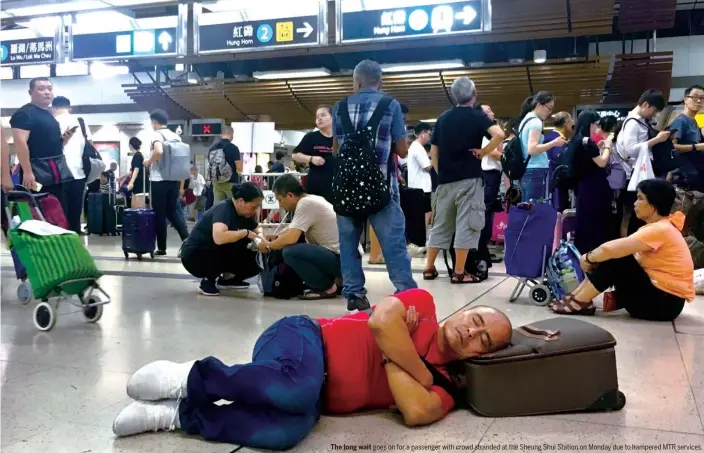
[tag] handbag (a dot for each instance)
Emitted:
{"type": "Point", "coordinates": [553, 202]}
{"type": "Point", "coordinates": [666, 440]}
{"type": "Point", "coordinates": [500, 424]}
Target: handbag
{"type": "Point", "coordinates": [642, 171]}
{"type": "Point", "coordinates": [617, 174]}
{"type": "Point", "coordinates": [49, 171]}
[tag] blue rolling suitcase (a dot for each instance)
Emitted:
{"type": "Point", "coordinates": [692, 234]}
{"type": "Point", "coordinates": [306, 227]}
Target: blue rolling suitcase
{"type": "Point", "coordinates": [139, 232]}
{"type": "Point", "coordinates": [95, 213]}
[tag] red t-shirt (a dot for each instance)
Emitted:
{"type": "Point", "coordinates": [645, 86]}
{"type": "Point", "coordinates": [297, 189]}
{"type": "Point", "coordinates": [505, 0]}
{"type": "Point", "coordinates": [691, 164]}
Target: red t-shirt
{"type": "Point", "coordinates": [356, 379]}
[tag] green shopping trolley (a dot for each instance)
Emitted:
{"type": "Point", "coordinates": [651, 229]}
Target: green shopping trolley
{"type": "Point", "coordinates": [56, 263]}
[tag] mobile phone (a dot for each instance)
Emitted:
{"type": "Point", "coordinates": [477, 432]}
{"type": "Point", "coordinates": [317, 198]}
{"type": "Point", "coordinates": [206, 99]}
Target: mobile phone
{"type": "Point", "coordinates": [73, 129]}
{"type": "Point", "coordinates": [674, 131]}
{"type": "Point", "coordinates": [38, 187]}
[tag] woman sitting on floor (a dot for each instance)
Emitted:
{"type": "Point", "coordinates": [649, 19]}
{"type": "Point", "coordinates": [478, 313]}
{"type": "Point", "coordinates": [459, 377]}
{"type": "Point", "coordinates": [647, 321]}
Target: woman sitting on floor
{"type": "Point", "coordinates": [652, 269]}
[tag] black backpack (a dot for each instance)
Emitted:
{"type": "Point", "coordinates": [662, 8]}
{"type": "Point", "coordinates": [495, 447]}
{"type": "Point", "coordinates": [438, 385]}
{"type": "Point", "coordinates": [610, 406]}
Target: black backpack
{"type": "Point", "coordinates": [512, 159]}
{"type": "Point", "coordinates": [665, 156]}
{"type": "Point", "coordinates": [278, 279]}
{"type": "Point", "coordinates": [90, 154]}
{"type": "Point", "coordinates": [359, 188]}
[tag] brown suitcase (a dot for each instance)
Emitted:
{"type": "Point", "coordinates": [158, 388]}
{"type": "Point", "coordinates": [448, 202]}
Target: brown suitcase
{"type": "Point", "coordinates": [551, 366]}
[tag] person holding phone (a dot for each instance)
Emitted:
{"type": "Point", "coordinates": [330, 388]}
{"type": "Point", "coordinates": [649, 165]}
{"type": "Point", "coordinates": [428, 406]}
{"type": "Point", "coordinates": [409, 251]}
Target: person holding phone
{"type": "Point", "coordinates": [634, 138]}
{"type": "Point", "coordinates": [73, 151]}
{"type": "Point", "coordinates": [39, 141]}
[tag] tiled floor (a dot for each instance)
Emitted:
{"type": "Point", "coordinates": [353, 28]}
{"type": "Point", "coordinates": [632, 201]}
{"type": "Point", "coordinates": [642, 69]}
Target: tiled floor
{"type": "Point", "coordinates": [61, 390]}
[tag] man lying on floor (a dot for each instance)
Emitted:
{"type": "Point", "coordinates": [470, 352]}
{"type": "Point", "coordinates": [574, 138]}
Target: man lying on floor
{"type": "Point", "coordinates": [302, 367]}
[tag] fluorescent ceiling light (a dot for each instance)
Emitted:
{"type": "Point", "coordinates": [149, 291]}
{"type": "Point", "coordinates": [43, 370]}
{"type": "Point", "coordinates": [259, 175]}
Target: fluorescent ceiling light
{"type": "Point", "coordinates": [74, 68]}
{"type": "Point", "coordinates": [294, 74]}
{"type": "Point", "coordinates": [427, 66]}
{"type": "Point", "coordinates": [44, 26]}
{"type": "Point", "coordinates": [431, 120]}
{"type": "Point", "coordinates": [5, 73]}
{"type": "Point", "coordinates": [180, 67]}
{"type": "Point", "coordinates": [193, 78]}
{"type": "Point", "coordinates": [104, 71]}
{"type": "Point", "coordinates": [32, 71]}
{"type": "Point", "coordinates": [540, 56]}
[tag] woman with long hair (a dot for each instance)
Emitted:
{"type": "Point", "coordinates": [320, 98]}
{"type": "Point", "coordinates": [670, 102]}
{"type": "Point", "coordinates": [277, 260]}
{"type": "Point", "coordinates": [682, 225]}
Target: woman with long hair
{"type": "Point", "coordinates": [593, 192]}
{"type": "Point", "coordinates": [535, 110]}
{"type": "Point", "coordinates": [138, 185]}
{"type": "Point", "coordinates": [315, 150]}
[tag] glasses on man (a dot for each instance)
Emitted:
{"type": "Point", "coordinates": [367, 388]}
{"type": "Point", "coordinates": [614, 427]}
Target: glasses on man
{"type": "Point", "coordinates": [697, 98]}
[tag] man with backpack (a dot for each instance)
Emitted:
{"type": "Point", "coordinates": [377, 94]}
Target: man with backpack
{"type": "Point", "coordinates": [365, 186]}
{"type": "Point", "coordinates": [166, 174]}
{"type": "Point", "coordinates": [73, 151]}
{"type": "Point", "coordinates": [225, 165]}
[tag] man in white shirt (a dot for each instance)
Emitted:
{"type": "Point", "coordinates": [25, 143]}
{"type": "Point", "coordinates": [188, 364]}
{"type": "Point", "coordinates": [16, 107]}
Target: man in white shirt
{"type": "Point", "coordinates": [634, 138]}
{"type": "Point", "coordinates": [73, 151]}
{"type": "Point", "coordinates": [197, 185]}
{"type": "Point", "coordinates": [419, 166]}
{"type": "Point", "coordinates": [164, 194]}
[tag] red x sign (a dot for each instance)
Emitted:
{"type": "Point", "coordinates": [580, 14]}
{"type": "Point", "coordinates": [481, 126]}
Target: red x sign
{"type": "Point", "coordinates": [206, 128]}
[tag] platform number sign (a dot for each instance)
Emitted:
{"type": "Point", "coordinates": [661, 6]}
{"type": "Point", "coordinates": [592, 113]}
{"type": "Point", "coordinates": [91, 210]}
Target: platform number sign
{"type": "Point", "coordinates": [265, 33]}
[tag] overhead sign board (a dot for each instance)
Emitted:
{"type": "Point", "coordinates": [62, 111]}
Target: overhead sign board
{"type": "Point", "coordinates": [28, 51]}
{"type": "Point", "coordinates": [259, 28]}
{"type": "Point", "coordinates": [206, 129]}
{"type": "Point", "coordinates": [385, 20]}
{"type": "Point", "coordinates": [124, 44]}
{"type": "Point", "coordinates": [620, 111]}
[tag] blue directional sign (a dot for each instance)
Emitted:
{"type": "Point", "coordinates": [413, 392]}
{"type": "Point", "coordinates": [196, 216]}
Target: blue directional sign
{"type": "Point", "coordinates": [28, 51]}
{"type": "Point", "coordinates": [124, 44]}
{"type": "Point", "coordinates": [440, 18]}
{"type": "Point", "coordinates": [258, 34]}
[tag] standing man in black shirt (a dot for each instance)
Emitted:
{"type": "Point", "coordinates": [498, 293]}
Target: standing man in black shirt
{"type": "Point", "coordinates": [315, 150]}
{"type": "Point", "coordinates": [37, 135]}
{"type": "Point", "coordinates": [456, 153]}
{"type": "Point", "coordinates": [222, 190]}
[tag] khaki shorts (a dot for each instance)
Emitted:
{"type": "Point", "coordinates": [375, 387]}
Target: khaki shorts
{"type": "Point", "coordinates": [458, 210]}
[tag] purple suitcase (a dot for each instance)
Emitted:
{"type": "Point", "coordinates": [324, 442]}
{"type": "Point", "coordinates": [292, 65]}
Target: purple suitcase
{"type": "Point", "coordinates": [139, 232]}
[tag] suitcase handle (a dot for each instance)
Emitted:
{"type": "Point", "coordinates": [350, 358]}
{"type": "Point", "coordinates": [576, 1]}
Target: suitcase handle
{"type": "Point", "coordinates": [532, 332]}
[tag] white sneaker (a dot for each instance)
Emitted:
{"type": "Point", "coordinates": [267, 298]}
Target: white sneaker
{"type": "Point", "coordinates": [141, 417]}
{"type": "Point", "coordinates": [415, 251]}
{"type": "Point", "coordinates": [159, 380]}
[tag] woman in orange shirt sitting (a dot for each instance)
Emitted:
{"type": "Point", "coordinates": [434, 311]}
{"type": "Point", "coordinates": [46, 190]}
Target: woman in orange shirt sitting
{"type": "Point", "coordinates": [652, 269]}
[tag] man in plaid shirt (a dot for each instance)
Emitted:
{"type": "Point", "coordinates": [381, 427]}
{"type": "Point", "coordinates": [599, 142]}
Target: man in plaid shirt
{"type": "Point", "coordinates": [389, 224]}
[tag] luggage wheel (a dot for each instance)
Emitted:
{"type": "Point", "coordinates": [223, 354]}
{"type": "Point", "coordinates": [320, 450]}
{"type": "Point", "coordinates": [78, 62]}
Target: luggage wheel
{"type": "Point", "coordinates": [127, 255]}
{"type": "Point", "coordinates": [613, 400]}
{"type": "Point", "coordinates": [24, 293]}
{"type": "Point", "coordinates": [151, 255]}
{"type": "Point", "coordinates": [540, 295]}
{"type": "Point", "coordinates": [44, 316]}
{"type": "Point", "coordinates": [92, 303]}
{"type": "Point", "coordinates": [139, 256]}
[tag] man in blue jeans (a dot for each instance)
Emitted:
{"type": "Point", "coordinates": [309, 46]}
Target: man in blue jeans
{"type": "Point", "coordinates": [389, 224]}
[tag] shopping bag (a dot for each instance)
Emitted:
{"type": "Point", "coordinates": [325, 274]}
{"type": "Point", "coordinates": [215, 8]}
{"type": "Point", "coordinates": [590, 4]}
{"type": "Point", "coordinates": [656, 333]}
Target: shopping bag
{"type": "Point", "coordinates": [500, 224]}
{"type": "Point", "coordinates": [642, 171]}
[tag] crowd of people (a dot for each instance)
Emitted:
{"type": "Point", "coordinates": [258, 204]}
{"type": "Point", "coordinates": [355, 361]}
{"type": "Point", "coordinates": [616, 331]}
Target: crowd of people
{"type": "Point", "coordinates": [445, 199]}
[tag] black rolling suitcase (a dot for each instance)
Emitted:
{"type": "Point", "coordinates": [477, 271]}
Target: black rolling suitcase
{"type": "Point", "coordinates": [552, 366]}
{"type": "Point", "coordinates": [95, 213]}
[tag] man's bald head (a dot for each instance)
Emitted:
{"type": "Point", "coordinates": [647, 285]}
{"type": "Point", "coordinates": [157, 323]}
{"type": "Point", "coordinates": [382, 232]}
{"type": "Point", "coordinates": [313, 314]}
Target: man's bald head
{"type": "Point", "coordinates": [477, 331]}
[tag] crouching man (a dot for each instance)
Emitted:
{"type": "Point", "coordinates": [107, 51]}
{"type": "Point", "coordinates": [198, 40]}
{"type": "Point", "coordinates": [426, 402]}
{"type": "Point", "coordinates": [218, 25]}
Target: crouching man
{"type": "Point", "coordinates": [317, 261]}
{"type": "Point", "coordinates": [302, 367]}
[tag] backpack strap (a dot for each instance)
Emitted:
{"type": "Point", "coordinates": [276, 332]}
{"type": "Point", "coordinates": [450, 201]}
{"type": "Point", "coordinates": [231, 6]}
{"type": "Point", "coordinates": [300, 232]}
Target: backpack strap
{"type": "Point", "coordinates": [379, 113]}
{"type": "Point", "coordinates": [83, 127]}
{"type": "Point", "coordinates": [344, 111]}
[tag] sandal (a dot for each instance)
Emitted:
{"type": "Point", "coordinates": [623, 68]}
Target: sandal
{"type": "Point", "coordinates": [571, 306]}
{"type": "Point", "coordinates": [465, 278]}
{"type": "Point", "coordinates": [430, 274]}
{"type": "Point", "coordinates": [309, 294]}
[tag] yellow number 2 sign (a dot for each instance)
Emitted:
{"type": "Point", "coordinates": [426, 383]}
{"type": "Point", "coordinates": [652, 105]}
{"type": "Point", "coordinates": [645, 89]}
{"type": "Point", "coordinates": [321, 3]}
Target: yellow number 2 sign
{"type": "Point", "coordinates": [284, 31]}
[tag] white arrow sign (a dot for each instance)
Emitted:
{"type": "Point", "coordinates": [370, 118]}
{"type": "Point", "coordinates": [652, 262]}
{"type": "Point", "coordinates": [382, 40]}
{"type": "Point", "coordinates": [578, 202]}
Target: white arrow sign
{"type": "Point", "coordinates": [306, 30]}
{"type": "Point", "coordinates": [467, 16]}
{"type": "Point", "coordinates": [165, 40]}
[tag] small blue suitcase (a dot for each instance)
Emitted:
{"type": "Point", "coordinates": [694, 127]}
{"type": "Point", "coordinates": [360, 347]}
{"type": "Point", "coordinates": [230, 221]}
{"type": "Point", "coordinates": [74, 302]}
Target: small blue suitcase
{"type": "Point", "coordinates": [139, 232]}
